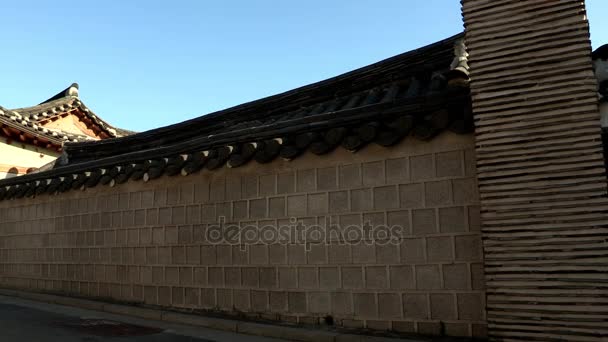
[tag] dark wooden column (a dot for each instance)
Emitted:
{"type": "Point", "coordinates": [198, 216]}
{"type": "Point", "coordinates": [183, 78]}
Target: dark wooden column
{"type": "Point", "coordinates": [542, 178]}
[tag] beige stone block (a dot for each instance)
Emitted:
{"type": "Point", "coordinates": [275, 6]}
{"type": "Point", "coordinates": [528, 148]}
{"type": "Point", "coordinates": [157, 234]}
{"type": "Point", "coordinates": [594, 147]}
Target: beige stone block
{"type": "Point", "coordinates": [389, 306]}
{"type": "Point", "coordinates": [317, 204]}
{"type": "Point", "coordinates": [151, 255]}
{"type": "Point", "coordinates": [296, 254]}
{"type": "Point", "coordinates": [339, 254]}
{"type": "Point", "coordinates": [474, 218]}
{"type": "Point", "coordinates": [471, 306]}
{"type": "Point", "coordinates": [208, 255]}
{"type": "Point", "coordinates": [215, 276]}
{"type": "Point", "coordinates": [164, 216]}
{"type": "Point", "coordinates": [443, 306]}
{"type": "Point", "coordinates": [341, 303]}
{"type": "Point", "coordinates": [415, 306]}
{"type": "Point", "coordinates": [296, 302]}
{"type": "Point", "coordinates": [268, 184]}
{"type": "Point", "coordinates": [386, 197]}
{"type": "Point", "coordinates": [457, 329]}
{"type": "Point", "coordinates": [208, 299]}
{"type": "Point", "coordinates": [397, 170]}
{"type": "Point", "coordinates": [147, 199]}
{"type": "Point", "coordinates": [296, 205]}
{"type": "Point", "coordinates": [172, 195]}
{"type": "Point", "coordinates": [422, 167]}
{"type": "Point", "coordinates": [329, 278]}
{"type": "Point", "coordinates": [242, 300]}
{"type": "Point", "coordinates": [286, 183]}
{"type": "Point", "coordinates": [376, 277]}
{"type": "Point", "coordinates": [479, 330]}
{"type": "Point", "coordinates": [338, 201]}
{"type": "Point", "coordinates": [259, 301]}
{"type": "Point", "coordinates": [319, 302]}
{"type": "Point", "coordinates": [364, 253]}
{"type": "Point", "coordinates": [172, 275]}
{"type": "Point", "coordinates": [184, 235]}
{"type": "Point", "coordinates": [276, 207]}
{"type": "Point", "coordinates": [277, 254]}
{"type": "Point", "coordinates": [352, 277]}
{"type": "Point", "coordinates": [192, 296]}
{"type": "Point", "coordinates": [308, 278]}
{"type": "Point", "coordinates": [361, 199]}
{"type": "Point", "coordinates": [258, 208]}
{"type": "Point", "coordinates": [233, 187]}
{"type": "Point", "coordinates": [424, 221]}
{"type": "Point", "coordinates": [224, 299]}
{"type": "Point", "coordinates": [306, 180]}
{"type": "Point", "coordinates": [278, 301]}
{"type": "Point", "coordinates": [477, 277]}
{"type": "Point", "coordinates": [268, 277]}
{"type": "Point", "coordinates": [249, 186]}
{"type": "Point", "coordinates": [373, 173]}
{"type": "Point", "coordinates": [349, 176]}
{"type": "Point", "coordinates": [145, 236]}
{"type": "Point", "coordinates": [316, 254]}
{"type": "Point", "coordinates": [402, 277]}
{"type": "Point", "coordinates": [186, 276]}
{"type": "Point", "coordinates": [232, 276]}
{"type": "Point", "coordinates": [456, 276]}
{"type": "Point", "coordinates": [468, 248]}
{"type": "Point", "coordinates": [217, 189]}
{"type": "Point", "coordinates": [352, 324]}
{"type": "Point", "coordinates": [158, 235]}
{"type": "Point", "coordinates": [171, 235]}
{"type": "Point", "coordinates": [387, 253]}
{"type": "Point", "coordinates": [240, 255]}
{"type": "Point", "coordinates": [250, 276]}
{"type": "Point", "coordinates": [164, 255]}
{"type": "Point", "coordinates": [150, 295]}
{"type": "Point", "coordinates": [465, 191]}
{"type": "Point", "coordinates": [178, 255]}
{"type": "Point", "coordinates": [428, 277]}
{"type": "Point", "coordinates": [193, 214]}
{"type": "Point", "coordinates": [327, 178]}
{"type": "Point", "coordinates": [241, 209]}
{"type": "Point", "coordinates": [152, 216]}
{"type": "Point", "coordinates": [200, 276]}
{"type": "Point", "coordinates": [193, 255]}
{"type": "Point", "coordinates": [223, 254]}
{"type": "Point", "coordinates": [438, 193]}
{"type": "Point", "coordinates": [439, 248]}
{"type": "Point", "coordinates": [404, 326]}
{"type": "Point", "coordinates": [365, 304]}
{"type": "Point", "coordinates": [258, 254]}
{"type": "Point", "coordinates": [177, 296]}
{"type": "Point", "coordinates": [449, 164]}
{"type": "Point", "coordinates": [430, 328]}
{"type": "Point", "coordinates": [452, 220]}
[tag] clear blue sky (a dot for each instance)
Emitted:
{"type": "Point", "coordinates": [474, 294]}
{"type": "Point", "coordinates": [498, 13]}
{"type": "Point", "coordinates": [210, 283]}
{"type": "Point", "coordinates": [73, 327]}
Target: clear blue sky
{"type": "Point", "coordinates": [144, 64]}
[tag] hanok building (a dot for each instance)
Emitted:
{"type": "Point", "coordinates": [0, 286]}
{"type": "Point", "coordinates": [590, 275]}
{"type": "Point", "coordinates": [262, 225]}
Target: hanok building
{"type": "Point", "coordinates": [484, 150]}
{"type": "Point", "coordinates": [32, 137]}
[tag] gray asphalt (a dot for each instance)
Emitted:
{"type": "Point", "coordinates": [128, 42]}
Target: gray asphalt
{"type": "Point", "coordinates": [28, 321]}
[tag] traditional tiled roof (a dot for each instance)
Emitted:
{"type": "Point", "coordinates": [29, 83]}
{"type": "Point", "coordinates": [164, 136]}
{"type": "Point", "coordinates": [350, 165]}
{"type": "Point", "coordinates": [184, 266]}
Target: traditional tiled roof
{"type": "Point", "coordinates": [13, 124]}
{"type": "Point", "coordinates": [67, 101]}
{"type": "Point", "coordinates": [421, 92]}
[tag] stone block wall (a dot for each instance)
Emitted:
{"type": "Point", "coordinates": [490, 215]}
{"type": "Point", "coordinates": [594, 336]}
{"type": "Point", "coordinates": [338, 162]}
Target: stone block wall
{"type": "Point", "coordinates": [153, 242]}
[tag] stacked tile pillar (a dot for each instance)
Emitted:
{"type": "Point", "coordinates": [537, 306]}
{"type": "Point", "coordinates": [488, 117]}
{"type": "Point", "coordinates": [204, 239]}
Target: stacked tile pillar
{"type": "Point", "coordinates": [542, 178]}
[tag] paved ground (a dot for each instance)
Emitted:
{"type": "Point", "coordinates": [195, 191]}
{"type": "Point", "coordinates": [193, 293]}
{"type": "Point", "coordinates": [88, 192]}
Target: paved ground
{"type": "Point", "coordinates": [28, 321]}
